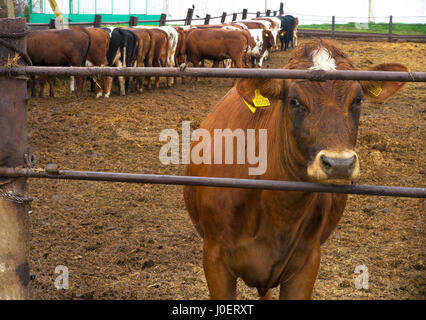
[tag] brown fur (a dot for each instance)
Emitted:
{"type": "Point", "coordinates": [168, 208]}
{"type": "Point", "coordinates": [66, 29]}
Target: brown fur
{"type": "Point", "coordinates": [144, 49]}
{"type": "Point", "coordinates": [67, 47]}
{"type": "Point", "coordinates": [157, 55]}
{"type": "Point", "coordinates": [98, 50]}
{"type": "Point", "coordinates": [217, 45]}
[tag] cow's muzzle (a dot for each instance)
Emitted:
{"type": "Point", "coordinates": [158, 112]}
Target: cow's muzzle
{"type": "Point", "coordinates": [331, 166]}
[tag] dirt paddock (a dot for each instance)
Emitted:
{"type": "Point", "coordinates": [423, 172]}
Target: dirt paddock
{"type": "Point", "coordinates": [130, 241]}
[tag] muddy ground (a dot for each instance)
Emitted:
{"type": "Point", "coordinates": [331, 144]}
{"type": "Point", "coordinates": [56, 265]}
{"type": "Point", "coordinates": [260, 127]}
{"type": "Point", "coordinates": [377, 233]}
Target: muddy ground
{"type": "Point", "coordinates": [129, 241]}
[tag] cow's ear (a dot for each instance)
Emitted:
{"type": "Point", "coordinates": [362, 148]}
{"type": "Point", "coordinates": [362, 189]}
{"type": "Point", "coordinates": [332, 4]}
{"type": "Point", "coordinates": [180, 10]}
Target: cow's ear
{"type": "Point", "coordinates": [382, 90]}
{"type": "Point", "coordinates": [268, 88]}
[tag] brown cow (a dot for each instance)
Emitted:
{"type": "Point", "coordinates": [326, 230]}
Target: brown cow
{"type": "Point", "coordinates": [217, 45]}
{"type": "Point", "coordinates": [252, 24]}
{"type": "Point", "coordinates": [144, 48]}
{"type": "Point", "coordinates": [68, 47]}
{"type": "Point", "coordinates": [158, 52]}
{"type": "Point", "coordinates": [97, 56]}
{"type": "Point", "coordinates": [270, 238]}
{"type": "Point", "coordinates": [180, 56]}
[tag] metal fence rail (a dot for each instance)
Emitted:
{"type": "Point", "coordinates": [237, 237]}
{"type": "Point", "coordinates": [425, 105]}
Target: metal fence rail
{"type": "Point", "coordinates": [314, 75]}
{"type": "Point", "coordinates": [214, 182]}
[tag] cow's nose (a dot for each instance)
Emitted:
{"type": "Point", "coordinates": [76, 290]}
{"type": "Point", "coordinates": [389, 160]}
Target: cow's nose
{"type": "Point", "coordinates": [337, 168]}
{"type": "Point", "coordinates": [330, 165]}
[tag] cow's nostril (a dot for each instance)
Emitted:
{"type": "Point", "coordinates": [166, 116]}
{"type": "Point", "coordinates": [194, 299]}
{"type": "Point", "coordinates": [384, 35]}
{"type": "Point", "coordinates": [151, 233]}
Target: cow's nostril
{"type": "Point", "coordinates": [325, 162]}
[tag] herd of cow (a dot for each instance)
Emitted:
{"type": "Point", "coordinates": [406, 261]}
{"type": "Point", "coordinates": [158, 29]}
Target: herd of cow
{"type": "Point", "coordinates": [235, 44]}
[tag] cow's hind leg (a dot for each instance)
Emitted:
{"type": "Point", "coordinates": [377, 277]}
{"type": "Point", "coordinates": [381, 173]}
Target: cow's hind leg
{"type": "Point", "coordinates": [221, 283]}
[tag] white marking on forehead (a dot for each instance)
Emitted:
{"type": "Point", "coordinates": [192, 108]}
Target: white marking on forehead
{"type": "Point", "coordinates": [322, 60]}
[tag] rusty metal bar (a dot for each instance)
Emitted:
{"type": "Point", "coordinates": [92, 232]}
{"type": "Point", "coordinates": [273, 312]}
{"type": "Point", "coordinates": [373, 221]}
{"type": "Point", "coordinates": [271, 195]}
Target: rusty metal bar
{"type": "Point", "coordinates": [14, 224]}
{"type": "Point", "coordinates": [54, 173]}
{"type": "Point", "coordinates": [314, 75]}
{"type": "Point", "coordinates": [360, 35]}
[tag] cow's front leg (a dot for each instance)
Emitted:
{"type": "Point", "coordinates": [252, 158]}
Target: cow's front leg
{"type": "Point", "coordinates": [299, 285]}
{"type": "Point", "coordinates": [221, 283]}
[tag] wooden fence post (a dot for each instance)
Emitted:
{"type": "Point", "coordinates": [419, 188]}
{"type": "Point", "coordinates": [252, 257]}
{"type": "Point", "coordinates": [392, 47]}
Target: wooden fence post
{"type": "Point", "coordinates": [268, 13]}
{"type": "Point", "coordinates": [207, 19]}
{"type": "Point", "coordinates": [234, 16]}
{"type": "Point", "coordinates": [14, 224]}
{"type": "Point", "coordinates": [390, 28]}
{"type": "Point", "coordinates": [281, 8]}
{"type": "Point", "coordinates": [133, 22]}
{"type": "Point", "coordinates": [189, 14]}
{"type": "Point", "coordinates": [257, 14]}
{"type": "Point", "coordinates": [245, 14]}
{"type": "Point", "coordinates": [333, 26]}
{"type": "Point", "coordinates": [223, 18]}
{"type": "Point", "coordinates": [52, 24]}
{"type": "Point", "coordinates": [163, 19]}
{"type": "Point", "coordinates": [98, 21]}
{"type": "Point", "coordinates": [275, 13]}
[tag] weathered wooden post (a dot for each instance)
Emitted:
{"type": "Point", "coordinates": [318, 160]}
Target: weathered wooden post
{"type": "Point", "coordinates": [133, 22]}
{"type": "Point", "coordinates": [268, 12]}
{"type": "Point", "coordinates": [189, 14]}
{"type": "Point", "coordinates": [163, 19]}
{"type": "Point", "coordinates": [281, 8]}
{"type": "Point", "coordinates": [222, 20]}
{"type": "Point", "coordinates": [14, 234]}
{"type": "Point", "coordinates": [234, 16]}
{"type": "Point", "coordinates": [52, 24]}
{"type": "Point", "coordinates": [245, 14]}
{"type": "Point", "coordinates": [275, 13]}
{"type": "Point", "coordinates": [258, 14]}
{"type": "Point", "coordinates": [333, 26]}
{"type": "Point", "coordinates": [98, 21]}
{"type": "Point", "coordinates": [207, 19]}
{"type": "Point", "coordinates": [390, 29]}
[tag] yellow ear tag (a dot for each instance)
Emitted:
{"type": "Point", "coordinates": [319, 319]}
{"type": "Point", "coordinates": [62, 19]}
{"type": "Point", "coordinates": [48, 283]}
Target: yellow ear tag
{"type": "Point", "coordinates": [252, 109]}
{"type": "Point", "coordinates": [282, 33]}
{"type": "Point", "coordinates": [259, 101]}
{"type": "Point", "coordinates": [266, 35]}
{"type": "Point", "coordinates": [376, 90]}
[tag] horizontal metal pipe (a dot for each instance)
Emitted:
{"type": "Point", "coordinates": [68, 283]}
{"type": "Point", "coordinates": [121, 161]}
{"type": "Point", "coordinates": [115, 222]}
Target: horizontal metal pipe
{"type": "Point", "coordinates": [308, 32]}
{"type": "Point", "coordinates": [316, 75]}
{"type": "Point", "coordinates": [216, 182]}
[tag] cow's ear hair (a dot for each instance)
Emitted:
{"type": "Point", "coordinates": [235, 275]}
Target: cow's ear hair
{"type": "Point", "coordinates": [269, 88]}
{"type": "Point", "coordinates": [382, 90]}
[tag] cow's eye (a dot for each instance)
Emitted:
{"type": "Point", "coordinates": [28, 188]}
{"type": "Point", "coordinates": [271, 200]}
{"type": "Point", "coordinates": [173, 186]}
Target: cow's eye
{"type": "Point", "coordinates": [358, 100]}
{"type": "Point", "coordinates": [294, 102]}
{"type": "Point", "coordinates": [297, 106]}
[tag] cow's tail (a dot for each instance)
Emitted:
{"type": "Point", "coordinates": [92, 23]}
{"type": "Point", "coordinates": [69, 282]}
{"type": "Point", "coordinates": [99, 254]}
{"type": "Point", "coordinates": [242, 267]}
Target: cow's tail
{"type": "Point", "coordinates": [88, 46]}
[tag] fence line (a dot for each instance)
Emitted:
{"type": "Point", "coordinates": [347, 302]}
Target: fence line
{"type": "Point", "coordinates": [268, 13]}
{"type": "Point", "coordinates": [314, 75]}
{"type": "Point", "coordinates": [214, 182]}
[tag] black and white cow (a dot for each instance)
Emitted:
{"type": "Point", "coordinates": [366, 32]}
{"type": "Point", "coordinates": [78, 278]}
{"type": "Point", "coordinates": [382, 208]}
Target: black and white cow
{"type": "Point", "coordinates": [122, 52]}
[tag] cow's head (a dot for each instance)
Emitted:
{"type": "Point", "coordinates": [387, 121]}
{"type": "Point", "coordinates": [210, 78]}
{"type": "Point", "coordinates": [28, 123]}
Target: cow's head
{"type": "Point", "coordinates": [318, 121]}
{"type": "Point", "coordinates": [268, 40]}
{"type": "Point", "coordinates": [281, 34]}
